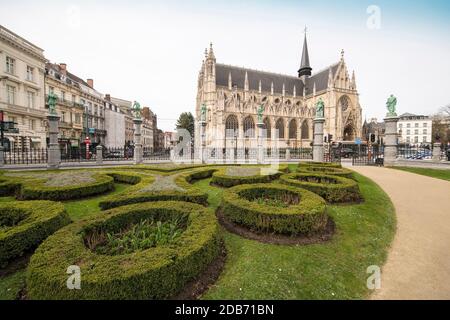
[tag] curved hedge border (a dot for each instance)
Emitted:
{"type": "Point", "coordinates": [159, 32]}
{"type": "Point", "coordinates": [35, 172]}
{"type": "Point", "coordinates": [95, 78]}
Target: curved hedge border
{"type": "Point", "coordinates": [340, 190]}
{"type": "Point", "coordinates": [221, 178]}
{"type": "Point", "coordinates": [154, 273]}
{"type": "Point", "coordinates": [319, 164]}
{"type": "Point", "coordinates": [184, 180]}
{"type": "Point", "coordinates": [332, 171]}
{"type": "Point", "coordinates": [8, 187]}
{"type": "Point", "coordinates": [26, 224]}
{"type": "Point", "coordinates": [306, 217]}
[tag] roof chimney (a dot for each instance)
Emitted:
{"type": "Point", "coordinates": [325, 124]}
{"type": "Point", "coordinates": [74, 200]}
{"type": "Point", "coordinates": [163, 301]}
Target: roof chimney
{"type": "Point", "coordinates": [90, 83]}
{"type": "Point", "coordinates": [63, 68]}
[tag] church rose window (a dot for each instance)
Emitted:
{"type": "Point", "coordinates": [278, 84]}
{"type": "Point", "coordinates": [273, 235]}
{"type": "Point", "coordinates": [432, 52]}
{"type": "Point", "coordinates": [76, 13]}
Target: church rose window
{"type": "Point", "coordinates": [305, 130]}
{"type": "Point", "coordinates": [231, 126]}
{"type": "Point", "coordinates": [293, 129]}
{"type": "Point", "coordinates": [280, 127]}
{"type": "Point", "coordinates": [343, 102]}
{"type": "Point", "coordinates": [249, 127]}
{"type": "Point", "coordinates": [267, 127]}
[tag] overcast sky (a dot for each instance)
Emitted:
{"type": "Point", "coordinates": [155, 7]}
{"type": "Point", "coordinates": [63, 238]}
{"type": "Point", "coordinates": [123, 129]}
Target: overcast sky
{"type": "Point", "coordinates": [152, 51]}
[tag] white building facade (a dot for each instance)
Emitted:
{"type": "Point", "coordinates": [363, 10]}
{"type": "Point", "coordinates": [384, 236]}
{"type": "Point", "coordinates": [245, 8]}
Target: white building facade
{"type": "Point", "coordinates": [415, 129]}
{"type": "Point", "coordinates": [115, 124]}
{"type": "Point", "coordinates": [22, 96]}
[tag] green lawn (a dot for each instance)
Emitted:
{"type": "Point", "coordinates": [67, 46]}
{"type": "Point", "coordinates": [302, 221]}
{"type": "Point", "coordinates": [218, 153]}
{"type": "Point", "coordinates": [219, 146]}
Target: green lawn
{"type": "Point", "coordinates": [336, 270]}
{"type": "Point", "coordinates": [443, 174]}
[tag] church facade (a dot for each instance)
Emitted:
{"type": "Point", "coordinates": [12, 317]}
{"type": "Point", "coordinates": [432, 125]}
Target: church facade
{"type": "Point", "coordinates": [232, 96]}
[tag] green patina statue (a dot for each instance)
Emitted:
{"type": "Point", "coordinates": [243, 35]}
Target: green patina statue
{"type": "Point", "coordinates": [51, 101]}
{"type": "Point", "coordinates": [260, 113]}
{"type": "Point", "coordinates": [137, 110]}
{"type": "Point", "coordinates": [320, 106]}
{"type": "Point", "coordinates": [203, 113]}
{"type": "Point", "coordinates": [390, 105]}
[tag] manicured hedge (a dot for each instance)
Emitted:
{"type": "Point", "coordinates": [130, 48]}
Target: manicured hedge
{"type": "Point", "coordinates": [332, 188]}
{"type": "Point", "coordinates": [8, 187]}
{"type": "Point", "coordinates": [319, 164]}
{"type": "Point", "coordinates": [305, 217]}
{"type": "Point", "coordinates": [24, 225]}
{"type": "Point", "coordinates": [183, 180]}
{"type": "Point", "coordinates": [340, 172]}
{"type": "Point", "coordinates": [223, 179]}
{"type": "Point", "coordinates": [155, 273]}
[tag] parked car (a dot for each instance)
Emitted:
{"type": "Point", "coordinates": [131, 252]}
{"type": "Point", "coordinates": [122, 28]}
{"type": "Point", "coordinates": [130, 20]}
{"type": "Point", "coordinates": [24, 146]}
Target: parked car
{"type": "Point", "coordinates": [347, 153]}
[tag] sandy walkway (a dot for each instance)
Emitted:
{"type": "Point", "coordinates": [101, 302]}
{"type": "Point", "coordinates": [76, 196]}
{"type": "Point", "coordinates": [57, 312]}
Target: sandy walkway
{"type": "Point", "coordinates": [418, 265]}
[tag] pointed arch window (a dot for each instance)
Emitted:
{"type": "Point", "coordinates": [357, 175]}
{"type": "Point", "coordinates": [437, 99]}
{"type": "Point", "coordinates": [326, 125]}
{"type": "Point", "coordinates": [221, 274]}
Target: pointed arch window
{"type": "Point", "coordinates": [231, 126]}
{"type": "Point", "coordinates": [293, 129]}
{"type": "Point", "coordinates": [344, 103]}
{"type": "Point", "coordinates": [267, 126]}
{"type": "Point", "coordinates": [249, 127]}
{"type": "Point", "coordinates": [280, 127]}
{"type": "Point", "coordinates": [305, 130]}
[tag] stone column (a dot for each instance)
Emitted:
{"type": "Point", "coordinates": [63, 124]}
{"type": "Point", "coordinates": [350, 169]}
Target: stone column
{"type": "Point", "coordinates": [54, 152]}
{"type": "Point", "coordinates": [2, 156]}
{"type": "Point", "coordinates": [437, 151]}
{"type": "Point", "coordinates": [202, 145]}
{"type": "Point", "coordinates": [318, 140]}
{"type": "Point", "coordinates": [390, 140]}
{"type": "Point", "coordinates": [260, 155]}
{"type": "Point", "coordinates": [99, 155]}
{"type": "Point", "coordinates": [137, 141]}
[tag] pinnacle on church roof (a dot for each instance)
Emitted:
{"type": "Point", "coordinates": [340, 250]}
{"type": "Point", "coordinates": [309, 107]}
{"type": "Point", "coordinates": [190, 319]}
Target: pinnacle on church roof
{"type": "Point", "coordinates": [305, 67]}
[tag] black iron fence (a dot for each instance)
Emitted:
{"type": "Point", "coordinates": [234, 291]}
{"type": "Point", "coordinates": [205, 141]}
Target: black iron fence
{"type": "Point", "coordinates": [301, 153]}
{"type": "Point", "coordinates": [25, 156]}
{"type": "Point", "coordinates": [78, 155]}
{"type": "Point", "coordinates": [368, 155]}
{"type": "Point", "coordinates": [118, 154]}
{"type": "Point", "coordinates": [155, 154]}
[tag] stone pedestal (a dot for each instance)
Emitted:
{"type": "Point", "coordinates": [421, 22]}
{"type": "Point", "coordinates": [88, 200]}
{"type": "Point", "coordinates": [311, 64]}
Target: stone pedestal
{"type": "Point", "coordinates": [288, 154]}
{"type": "Point", "coordinates": [390, 140]}
{"type": "Point", "coordinates": [260, 153]}
{"type": "Point", "coordinates": [437, 151]}
{"type": "Point", "coordinates": [2, 156]}
{"type": "Point", "coordinates": [318, 140]}
{"type": "Point", "coordinates": [99, 155]}
{"type": "Point", "coordinates": [54, 152]}
{"type": "Point", "coordinates": [137, 141]}
{"type": "Point", "coordinates": [202, 146]}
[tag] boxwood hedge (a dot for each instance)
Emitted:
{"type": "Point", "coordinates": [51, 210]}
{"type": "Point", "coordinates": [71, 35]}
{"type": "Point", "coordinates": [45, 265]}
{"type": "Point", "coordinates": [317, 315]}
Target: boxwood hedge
{"type": "Point", "coordinates": [319, 164]}
{"type": "Point", "coordinates": [155, 273]}
{"type": "Point", "coordinates": [333, 189]}
{"type": "Point", "coordinates": [24, 225]}
{"type": "Point", "coordinates": [222, 177]}
{"type": "Point", "coordinates": [305, 216]}
{"type": "Point", "coordinates": [183, 180]}
{"type": "Point", "coordinates": [340, 172]}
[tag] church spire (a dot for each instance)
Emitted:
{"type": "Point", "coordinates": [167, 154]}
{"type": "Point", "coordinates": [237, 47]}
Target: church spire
{"type": "Point", "coordinates": [305, 68]}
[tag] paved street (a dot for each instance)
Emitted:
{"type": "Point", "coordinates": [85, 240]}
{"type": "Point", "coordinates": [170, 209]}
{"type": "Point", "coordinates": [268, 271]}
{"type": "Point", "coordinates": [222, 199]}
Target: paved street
{"type": "Point", "coordinates": [418, 266]}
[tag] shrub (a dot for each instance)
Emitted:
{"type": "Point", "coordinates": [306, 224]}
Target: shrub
{"type": "Point", "coordinates": [303, 212]}
{"type": "Point", "coordinates": [184, 191]}
{"type": "Point", "coordinates": [332, 188]}
{"type": "Point", "coordinates": [319, 164]}
{"type": "Point", "coordinates": [340, 172]}
{"type": "Point", "coordinates": [224, 177]}
{"type": "Point", "coordinates": [8, 187]}
{"type": "Point", "coordinates": [24, 225]}
{"type": "Point", "coordinates": [155, 273]}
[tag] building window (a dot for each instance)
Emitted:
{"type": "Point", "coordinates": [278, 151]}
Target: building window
{"type": "Point", "coordinates": [424, 139]}
{"type": "Point", "coordinates": [77, 118]}
{"type": "Point", "coordinates": [30, 72]}
{"type": "Point", "coordinates": [63, 95]}
{"type": "Point", "coordinates": [11, 94]}
{"type": "Point", "coordinates": [424, 131]}
{"type": "Point", "coordinates": [408, 139]}
{"type": "Point", "coordinates": [400, 125]}
{"type": "Point", "coordinates": [416, 125]}
{"type": "Point", "coordinates": [249, 127]}
{"type": "Point", "coordinates": [63, 116]}
{"type": "Point", "coordinates": [30, 97]}
{"type": "Point", "coordinates": [416, 139]}
{"type": "Point", "coordinates": [231, 126]}
{"type": "Point", "coordinates": [32, 124]}
{"type": "Point", "coordinates": [10, 65]}
{"type": "Point", "coordinates": [293, 129]}
{"type": "Point", "coordinates": [279, 125]}
{"type": "Point", "coordinates": [416, 131]}
{"type": "Point", "coordinates": [408, 125]}
{"type": "Point", "coordinates": [408, 131]}
{"type": "Point", "coordinates": [74, 98]}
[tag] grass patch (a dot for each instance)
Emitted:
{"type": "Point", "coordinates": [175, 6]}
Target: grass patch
{"type": "Point", "coordinates": [443, 174]}
{"type": "Point", "coordinates": [11, 285]}
{"type": "Point", "coordinates": [335, 270]}
{"type": "Point", "coordinates": [80, 209]}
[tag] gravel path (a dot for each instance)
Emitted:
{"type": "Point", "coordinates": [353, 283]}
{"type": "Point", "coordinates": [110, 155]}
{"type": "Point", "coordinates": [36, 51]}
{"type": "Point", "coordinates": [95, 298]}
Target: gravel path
{"type": "Point", "coordinates": [418, 265]}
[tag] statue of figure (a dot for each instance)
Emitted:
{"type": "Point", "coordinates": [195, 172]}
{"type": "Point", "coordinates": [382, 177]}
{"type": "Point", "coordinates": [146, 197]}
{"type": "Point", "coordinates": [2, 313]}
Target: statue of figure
{"type": "Point", "coordinates": [260, 113]}
{"type": "Point", "coordinates": [51, 101]}
{"type": "Point", "coordinates": [320, 106]}
{"type": "Point", "coordinates": [203, 113]}
{"type": "Point", "coordinates": [137, 110]}
{"type": "Point", "coordinates": [390, 105]}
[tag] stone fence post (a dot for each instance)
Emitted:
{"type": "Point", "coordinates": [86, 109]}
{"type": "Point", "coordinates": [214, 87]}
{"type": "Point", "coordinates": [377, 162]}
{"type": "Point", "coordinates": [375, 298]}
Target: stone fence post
{"type": "Point", "coordinates": [288, 154]}
{"type": "Point", "coordinates": [2, 156]}
{"type": "Point", "coordinates": [54, 152]}
{"type": "Point", "coordinates": [437, 151]}
{"type": "Point", "coordinates": [99, 155]}
{"type": "Point", "coordinates": [318, 140]}
{"type": "Point", "coordinates": [390, 140]}
{"type": "Point", "coordinates": [137, 141]}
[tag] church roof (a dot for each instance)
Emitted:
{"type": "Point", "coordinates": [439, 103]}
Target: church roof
{"type": "Point", "coordinates": [254, 76]}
